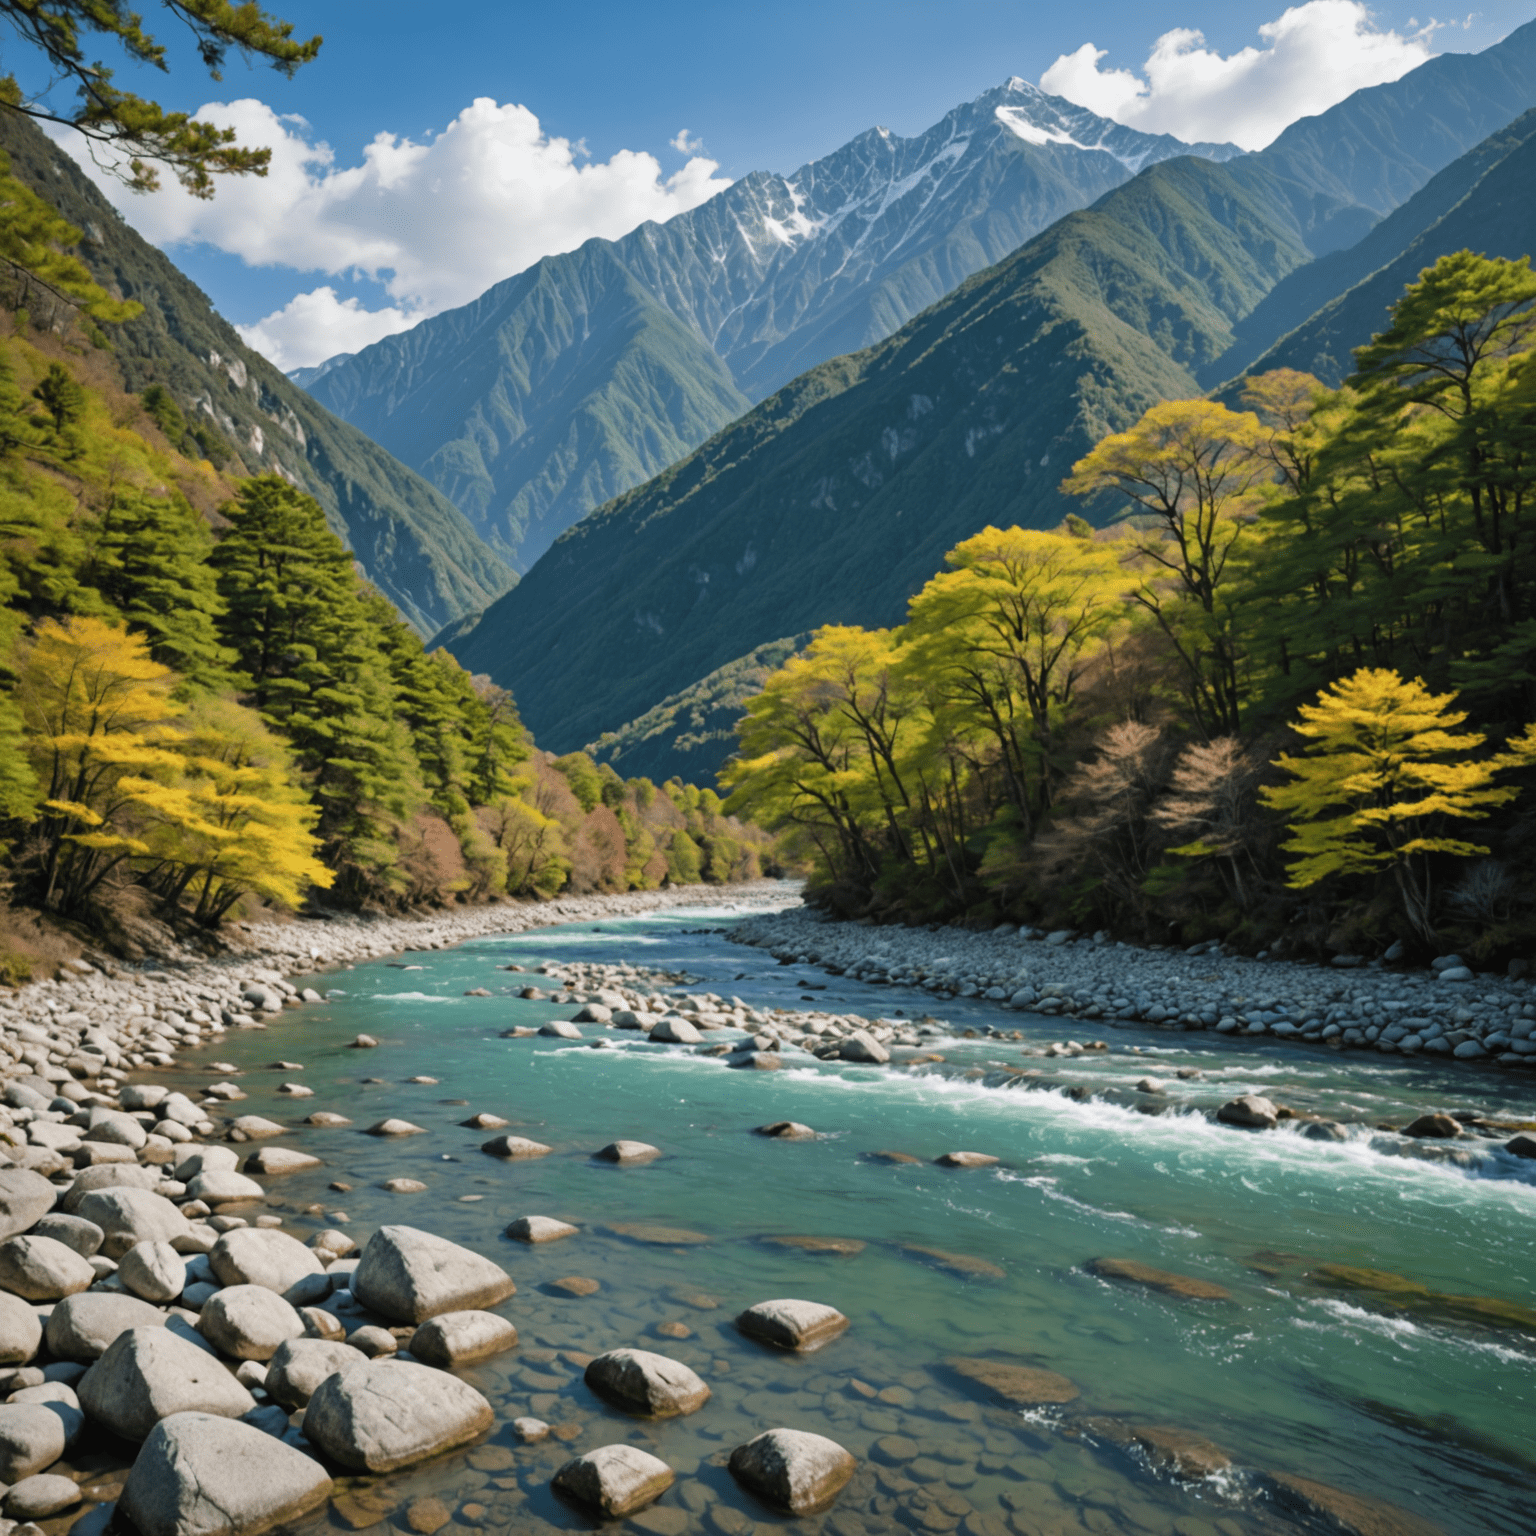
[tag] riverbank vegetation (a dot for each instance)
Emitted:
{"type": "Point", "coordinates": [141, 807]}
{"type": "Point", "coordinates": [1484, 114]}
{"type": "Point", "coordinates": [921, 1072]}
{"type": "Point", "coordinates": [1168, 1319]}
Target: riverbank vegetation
{"type": "Point", "coordinates": [1239, 710]}
{"type": "Point", "coordinates": [205, 702]}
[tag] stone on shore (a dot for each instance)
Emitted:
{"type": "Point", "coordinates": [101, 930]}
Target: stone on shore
{"type": "Point", "coordinates": [153, 1271]}
{"type": "Point", "coordinates": [862, 1046]}
{"type": "Point", "coordinates": [42, 1269]}
{"type": "Point", "coordinates": [254, 1128]}
{"type": "Point", "coordinates": [1134, 1272]}
{"type": "Point", "coordinates": [25, 1197]}
{"type": "Point", "coordinates": [966, 1160]}
{"type": "Point", "coordinates": [1022, 1386]}
{"type": "Point", "coordinates": [1251, 1110]}
{"type": "Point", "coordinates": [82, 1327]}
{"type": "Point", "coordinates": [110, 1176]}
{"type": "Point", "coordinates": [786, 1130]}
{"type": "Point", "coordinates": [85, 1237]}
{"type": "Point", "coordinates": [201, 1475]}
{"type": "Point", "coordinates": [147, 1374]}
{"type": "Point", "coordinates": [266, 1257]}
{"type": "Point", "coordinates": [127, 1216]}
{"type": "Point", "coordinates": [279, 1160]}
{"type": "Point", "coordinates": [540, 1229]}
{"type": "Point", "coordinates": [627, 1152]}
{"type": "Point", "coordinates": [31, 1439]}
{"type": "Point", "coordinates": [614, 1480]}
{"type": "Point", "coordinates": [514, 1147]}
{"type": "Point", "coordinates": [407, 1276]}
{"type": "Point", "coordinates": [647, 1384]}
{"type": "Point", "coordinates": [248, 1322]}
{"type": "Point", "coordinates": [21, 1331]}
{"type": "Point", "coordinates": [223, 1186]}
{"type": "Point", "coordinates": [42, 1495]}
{"type": "Point", "coordinates": [393, 1413]}
{"type": "Point", "coordinates": [792, 1470]}
{"type": "Point", "coordinates": [452, 1339]}
{"type": "Point", "coordinates": [791, 1324]}
{"type": "Point", "coordinates": [298, 1366]}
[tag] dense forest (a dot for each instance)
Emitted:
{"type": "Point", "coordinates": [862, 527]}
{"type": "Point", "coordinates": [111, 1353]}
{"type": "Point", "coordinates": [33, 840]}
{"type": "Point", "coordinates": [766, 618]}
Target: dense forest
{"type": "Point", "coordinates": [205, 704]}
{"type": "Point", "coordinates": [1284, 697]}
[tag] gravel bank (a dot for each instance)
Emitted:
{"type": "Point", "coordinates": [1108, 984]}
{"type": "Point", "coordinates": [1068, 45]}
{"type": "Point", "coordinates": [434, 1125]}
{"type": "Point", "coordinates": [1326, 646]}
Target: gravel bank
{"type": "Point", "coordinates": [1450, 1012]}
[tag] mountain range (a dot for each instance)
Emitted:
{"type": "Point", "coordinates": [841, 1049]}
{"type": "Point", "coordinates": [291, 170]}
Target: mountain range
{"type": "Point", "coordinates": [594, 370]}
{"type": "Point", "coordinates": [409, 539]}
{"type": "Point", "coordinates": [837, 496]}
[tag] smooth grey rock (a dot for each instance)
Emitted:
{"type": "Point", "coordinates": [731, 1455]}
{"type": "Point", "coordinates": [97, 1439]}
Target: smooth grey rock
{"type": "Point", "coordinates": [82, 1327]}
{"type": "Point", "coordinates": [248, 1322]}
{"type": "Point", "coordinates": [206, 1159]}
{"type": "Point", "coordinates": [628, 1152]}
{"type": "Point", "coordinates": [108, 1176]}
{"type": "Point", "coordinates": [201, 1475]}
{"type": "Point", "coordinates": [514, 1147]}
{"type": "Point", "coordinates": [42, 1269]}
{"type": "Point", "coordinates": [392, 1413]}
{"type": "Point", "coordinates": [21, 1331]}
{"type": "Point", "coordinates": [254, 1128]}
{"type": "Point", "coordinates": [862, 1046]}
{"type": "Point", "coordinates": [408, 1275]}
{"type": "Point", "coordinates": [128, 1216]}
{"type": "Point", "coordinates": [25, 1197]}
{"type": "Point", "coordinates": [147, 1374]}
{"type": "Point", "coordinates": [298, 1366]}
{"type": "Point", "coordinates": [75, 1232]}
{"type": "Point", "coordinates": [452, 1339]}
{"type": "Point", "coordinates": [266, 1257]}
{"type": "Point", "coordinates": [279, 1160]}
{"type": "Point", "coordinates": [113, 1126]}
{"type": "Point", "coordinates": [1249, 1109]}
{"type": "Point", "coordinates": [223, 1186]}
{"type": "Point", "coordinates": [32, 1438]}
{"type": "Point", "coordinates": [614, 1480]}
{"type": "Point", "coordinates": [792, 1470]}
{"type": "Point", "coordinates": [790, 1324]}
{"type": "Point", "coordinates": [540, 1229]}
{"type": "Point", "coordinates": [42, 1495]}
{"type": "Point", "coordinates": [560, 1029]}
{"type": "Point", "coordinates": [652, 1385]}
{"type": "Point", "coordinates": [670, 1031]}
{"type": "Point", "coordinates": [153, 1271]}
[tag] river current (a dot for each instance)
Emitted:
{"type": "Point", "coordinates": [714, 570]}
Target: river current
{"type": "Point", "coordinates": [1426, 1406]}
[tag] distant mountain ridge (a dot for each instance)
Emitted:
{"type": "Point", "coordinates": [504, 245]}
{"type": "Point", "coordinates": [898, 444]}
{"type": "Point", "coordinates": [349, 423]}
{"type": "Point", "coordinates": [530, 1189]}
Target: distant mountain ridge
{"type": "Point", "coordinates": [593, 370]}
{"type": "Point", "coordinates": [835, 498]}
{"type": "Point", "coordinates": [412, 542]}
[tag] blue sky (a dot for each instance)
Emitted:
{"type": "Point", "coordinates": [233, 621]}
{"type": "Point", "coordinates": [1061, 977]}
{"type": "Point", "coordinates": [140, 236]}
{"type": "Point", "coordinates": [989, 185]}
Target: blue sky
{"type": "Point", "coordinates": [756, 87]}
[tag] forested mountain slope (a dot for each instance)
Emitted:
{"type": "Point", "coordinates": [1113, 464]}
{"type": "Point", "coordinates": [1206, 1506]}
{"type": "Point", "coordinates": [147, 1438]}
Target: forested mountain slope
{"type": "Point", "coordinates": [412, 542]}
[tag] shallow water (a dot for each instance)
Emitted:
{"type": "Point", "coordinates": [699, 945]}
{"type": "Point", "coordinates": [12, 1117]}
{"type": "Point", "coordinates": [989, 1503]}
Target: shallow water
{"type": "Point", "coordinates": [1285, 1376]}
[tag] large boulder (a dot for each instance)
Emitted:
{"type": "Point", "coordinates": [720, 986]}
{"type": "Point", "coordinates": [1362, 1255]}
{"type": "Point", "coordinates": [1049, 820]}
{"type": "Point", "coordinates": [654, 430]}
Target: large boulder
{"type": "Point", "coordinates": [790, 1324]}
{"type": "Point", "coordinates": [21, 1331]}
{"type": "Point", "coordinates": [408, 1275]}
{"type": "Point", "coordinates": [462, 1338]}
{"type": "Point", "coordinates": [614, 1480]}
{"type": "Point", "coordinates": [862, 1046]}
{"type": "Point", "coordinates": [223, 1186]}
{"type": "Point", "coordinates": [298, 1366]}
{"type": "Point", "coordinates": [391, 1413]}
{"type": "Point", "coordinates": [82, 1327]}
{"type": "Point", "coordinates": [42, 1269]}
{"type": "Point", "coordinates": [147, 1374]}
{"type": "Point", "coordinates": [31, 1439]}
{"type": "Point", "coordinates": [153, 1271]}
{"type": "Point", "coordinates": [128, 1216]}
{"type": "Point", "coordinates": [206, 1158]}
{"type": "Point", "coordinates": [792, 1470]}
{"type": "Point", "coordinates": [201, 1475]}
{"type": "Point", "coordinates": [248, 1322]}
{"type": "Point", "coordinates": [25, 1197]}
{"type": "Point", "coordinates": [644, 1383]}
{"type": "Point", "coordinates": [1251, 1110]}
{"type": "Point", "coordinates": [73, 1231]}
{"type": "Point", "coordinates": [113, 1126]}
{"type": "Point", "coordinates": [108, 1176]}
{"type": "Point", "coordinates": [266, 1257]}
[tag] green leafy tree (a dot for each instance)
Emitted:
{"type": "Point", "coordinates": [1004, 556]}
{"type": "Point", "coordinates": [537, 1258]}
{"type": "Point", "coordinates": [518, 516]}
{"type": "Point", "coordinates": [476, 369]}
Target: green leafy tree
{"type": "Point", "coordinates": [61, 32]}
{"type": "Point", "coordinates": [581, 773]}
{"type": "Point", "coordinates": [1386, 772]}
{"type": "Point", "coordinates": [685, 860]}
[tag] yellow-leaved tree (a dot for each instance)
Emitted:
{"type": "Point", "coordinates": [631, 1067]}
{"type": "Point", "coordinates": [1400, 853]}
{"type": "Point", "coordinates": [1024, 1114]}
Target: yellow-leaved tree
{"type": "Point", "coordinates": [1386, 771]}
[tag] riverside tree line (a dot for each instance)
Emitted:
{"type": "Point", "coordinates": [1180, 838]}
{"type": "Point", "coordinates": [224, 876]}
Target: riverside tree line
{"type": "Point", "coordinates": [1284, 697]}
{"type": "Point", "coordinates": [204, 701]}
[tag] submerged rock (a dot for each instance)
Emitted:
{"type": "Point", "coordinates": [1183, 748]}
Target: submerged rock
{"type": "Point", "coordinates": [790, 1324]}
{"type": "Point", "coordinates": [644, 1383]}
{"type": "Point", "coordinates": [792, 1470]}
{"type": "Point", "coordinates": [392, 1413]}
{"type": "Point", "coordinates": [540, 1229]}
{"type": "Point", "coordinates": [846, 1246]}
{"type": "Point", "coordinates": [1134, 1272]}
{"type": "Point", "coordinates": [408, 1276]}
{"type": "Point", "coordinates": [1348, 1513]}
{"type": "Point", "coordinates": [966, 1160]}
{"type": "Point", "coordinates": [627, 1152]}
{"type": "Point", "coordinates": [199, 1475]}
{"type": "Point", "coordinates": [1013, 1382]}
{"type": "Point", "coordinates": [660, 1237]}
{"type": "Point", "coordinates": [1396, 1293]}
{"type": "Point", "coordinates": [786, 1130]}
{"type": "Point", "coordinates": [514, 1146]}
{"type": "Point", "coordinates": [963, 1264]}
{"type": "Point", "coordinates": [900, 1159]}
{"type": "Point", "coordinates": [614, 1480]}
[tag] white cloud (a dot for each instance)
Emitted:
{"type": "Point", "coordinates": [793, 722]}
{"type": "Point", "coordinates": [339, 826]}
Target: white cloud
{"type": "Point", "coordinates": [437, 223]}
{"type": "Point", "coordinates": [686, 143]}
{"type": "Point", "coordinates": [1315, 55]}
